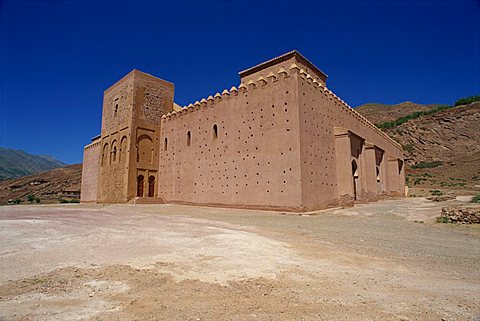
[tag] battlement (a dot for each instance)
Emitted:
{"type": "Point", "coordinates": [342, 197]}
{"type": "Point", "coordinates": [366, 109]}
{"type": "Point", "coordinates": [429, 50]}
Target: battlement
{"type": "Point", "coordinates": [331, 95]}
{"type": "Point", "coordinates": [271, 78]}
{"type": "Point", "coordinates": [217, 98]}
{"type": "Point", "coordinates": [95, 143]}
{"type": "Point", "coordinates": [284, 60]}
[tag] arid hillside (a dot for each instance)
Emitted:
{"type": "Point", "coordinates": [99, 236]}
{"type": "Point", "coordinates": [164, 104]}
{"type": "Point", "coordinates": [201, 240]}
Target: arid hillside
{"type": "Point", "coordinates": [48, 187]}
{"type": "Point", "coordinates": [442, 149]}
{"type": "Point", "coordinates": [380, 113]}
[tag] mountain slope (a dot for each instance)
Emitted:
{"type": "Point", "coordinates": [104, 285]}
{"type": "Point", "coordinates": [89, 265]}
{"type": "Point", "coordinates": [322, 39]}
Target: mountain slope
{"type": "Point", "coordinates": [47, 186]}
{"type": "Point", "coordinates": [445, 135]}
{"type": "Point", "coordinates": [17, 163]}
{"type": "Point", "coordinates": [442, 149]}
{"type": "Point", "coordinates": [381, 113]}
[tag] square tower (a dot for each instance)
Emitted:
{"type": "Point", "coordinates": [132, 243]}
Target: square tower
{"type": "Point", "coordinates": [128, 160]}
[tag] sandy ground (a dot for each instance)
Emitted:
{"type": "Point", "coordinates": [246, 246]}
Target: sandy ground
{"type": "Point", "coordinates": [382, 261]}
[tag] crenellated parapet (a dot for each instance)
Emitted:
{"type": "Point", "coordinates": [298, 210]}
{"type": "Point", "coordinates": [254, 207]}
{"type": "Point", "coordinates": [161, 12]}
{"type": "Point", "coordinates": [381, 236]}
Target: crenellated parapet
{"type": "Point", "coordinates": [262, 82]}
{"type": "Point", "coordinates": [330, 95]}
{"type": "Point", "coordinates": [225, 95]}
{"type": "Point", "coordinates": [94, 144]}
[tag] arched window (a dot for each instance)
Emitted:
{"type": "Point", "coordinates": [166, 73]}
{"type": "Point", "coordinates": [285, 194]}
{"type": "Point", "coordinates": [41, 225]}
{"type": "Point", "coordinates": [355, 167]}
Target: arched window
{"type": "Point", "coordinates": [355, 177]}
{"type": "Point", "coordinates": [115, 109]}
{"type": "Point", "coordinates": [165, 144]}
{"type": "Point", "coordinates": [151, 186]}
{"type": "Point", "coordinates": [114, 154]}
{"type": "Point", "coordinates": [189, 138]}
{"type": "Point", "coordinates": [215, 131]}
{"type": "Point", "coordinates": [140, 179]}
{"type": "Point", "coordinates": [123, 149]}
{"type": "Point", "coordinates": [105, 154]}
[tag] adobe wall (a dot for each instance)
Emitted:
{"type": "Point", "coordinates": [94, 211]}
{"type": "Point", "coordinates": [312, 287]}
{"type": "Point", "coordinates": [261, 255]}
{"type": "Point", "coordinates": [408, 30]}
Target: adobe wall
{"type": "Point", "coordinates": [319, 179]}
{"type": "Point", "coordinates": [253, 162]}
{"type": "Point", "coordinates": [91, 154]}
{"type": "Point", "coordinates": [334, 135]}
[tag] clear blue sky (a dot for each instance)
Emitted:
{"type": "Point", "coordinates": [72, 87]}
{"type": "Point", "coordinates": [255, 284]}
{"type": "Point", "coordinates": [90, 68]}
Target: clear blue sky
{"type": "Point", "coordinates": [57, 57]}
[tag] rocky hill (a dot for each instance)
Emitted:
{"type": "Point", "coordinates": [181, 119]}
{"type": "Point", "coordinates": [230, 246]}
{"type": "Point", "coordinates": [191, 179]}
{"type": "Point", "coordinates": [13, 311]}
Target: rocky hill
{"type": "Point", "coordinates": [48, 187]}
{"type": "Point", "coordinates": [17, 163]}
{"type": "Point", "coordinates": [442, 149]}
{"type": "Point", "coordinates": [381, 113]}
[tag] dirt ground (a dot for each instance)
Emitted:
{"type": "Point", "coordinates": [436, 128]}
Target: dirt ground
{"type": "Point", "coordinates": [381, 261]}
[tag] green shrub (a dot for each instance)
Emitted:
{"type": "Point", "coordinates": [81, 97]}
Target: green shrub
{"type": "Point", "coordinates": [17, 201]}
{"type": "Point", "coordinates": [436, 192]}
{"type": "Point", "coordinates": [467, 100]}
{"type": "Point", "coordinates": [30, 198]}
{"type": "Point", "coordinates": [476, 199]}
{"type": "Point", "coordinates": [427, 165]}
{"type": "Point", "coordinates": [409, 147]}
{"type": "Point", "coordinates": [404, 119]}
{"type": "Point", "coordinates": [419, 180]}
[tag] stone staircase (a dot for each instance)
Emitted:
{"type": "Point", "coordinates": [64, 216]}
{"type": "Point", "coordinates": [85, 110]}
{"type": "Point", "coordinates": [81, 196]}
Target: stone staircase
{"type": "Point", "coordinates": [148, 200]}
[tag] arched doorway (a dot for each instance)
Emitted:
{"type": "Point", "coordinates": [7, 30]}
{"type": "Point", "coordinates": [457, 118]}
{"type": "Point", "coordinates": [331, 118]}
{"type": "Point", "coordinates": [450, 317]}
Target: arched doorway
{"type": "Point", "coordinates": [355, 178]}
{"type": "Point", "coordinates": [151, 186]}
{"type": "Point", "coordinates": [145, 149]}
{"type": "Point", "coordinates": [140, 180]}
{"type": "Point", "coordinates": [379, 180]}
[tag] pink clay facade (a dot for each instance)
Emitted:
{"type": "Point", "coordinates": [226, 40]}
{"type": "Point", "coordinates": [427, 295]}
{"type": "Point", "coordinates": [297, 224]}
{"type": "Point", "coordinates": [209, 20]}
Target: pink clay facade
{"type": "Point", "coordinates": [280, 141]}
